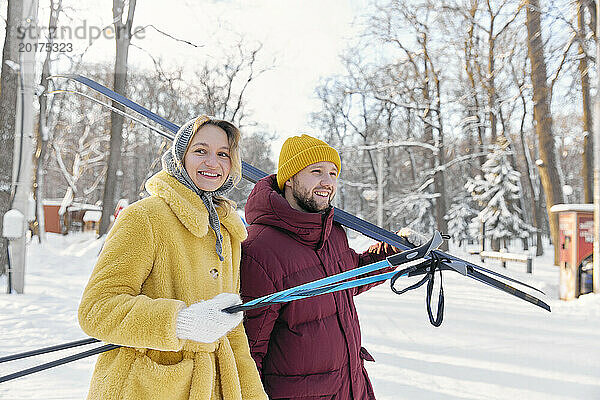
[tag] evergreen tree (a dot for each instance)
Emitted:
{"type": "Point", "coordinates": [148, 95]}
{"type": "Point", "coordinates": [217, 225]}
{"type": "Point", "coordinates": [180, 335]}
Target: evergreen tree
{"type": "Point", "coordinates": [459, 217]}
{"type": "Point", "coordinates": [498, 193]}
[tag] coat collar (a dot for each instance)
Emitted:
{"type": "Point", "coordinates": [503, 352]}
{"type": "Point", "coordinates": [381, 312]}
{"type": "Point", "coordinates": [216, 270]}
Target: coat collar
{"type": "Point", "coordinates": [267, 206]}
{"type": "Point", "coordinates": [189, 208]}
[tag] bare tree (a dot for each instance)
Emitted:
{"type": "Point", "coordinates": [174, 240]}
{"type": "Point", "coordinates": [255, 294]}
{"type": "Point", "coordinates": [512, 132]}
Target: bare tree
{"type": "Point", "coordinates": [352, 117]}
{"type": "Point", "coordinates": [8, 104]}
{"type": "Point", "coordinates": [423, 61]}
{"type": "Point", "coordinates": [42, 131]}
{"type": "Point", "coordinates": [86, 155]}
{"type": "Point", "coordinates": [123, 34]}
{"type": "Point", "coordinates": [551, 179]}
{"type": "Point", "coordinates": [471, 55]}
{"type": "Point", "coordinates": [528, 176]}
{"type": "Point", "coordinates": [78, 146]}
{"type": "Point", "coordinates": [496, 27]}
{"type": "Point", "coordinates": [220, 89]}
{"type": "Point", "coordinates": [587, 171]}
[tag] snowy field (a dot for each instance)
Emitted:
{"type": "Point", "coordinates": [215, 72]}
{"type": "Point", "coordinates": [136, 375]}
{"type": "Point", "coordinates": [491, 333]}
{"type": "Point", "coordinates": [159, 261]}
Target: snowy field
{"type": "Point", "coordinates": [490, 346]}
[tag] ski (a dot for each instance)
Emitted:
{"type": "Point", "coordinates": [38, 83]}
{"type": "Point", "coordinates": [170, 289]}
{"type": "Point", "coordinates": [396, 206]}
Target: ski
{"type": "Point", "coordinates": [344, 218]}
{"type": "Point", "coordinates": [488, 280]}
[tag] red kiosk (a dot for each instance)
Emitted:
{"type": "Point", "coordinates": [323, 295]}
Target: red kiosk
{"type": "Point", "coordinates": [576, 241]}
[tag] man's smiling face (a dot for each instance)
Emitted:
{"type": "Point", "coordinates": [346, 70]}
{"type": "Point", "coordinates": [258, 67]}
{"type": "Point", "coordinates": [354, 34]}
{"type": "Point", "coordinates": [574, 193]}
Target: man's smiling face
{"type": "Point", "coordinates": [313, 188]}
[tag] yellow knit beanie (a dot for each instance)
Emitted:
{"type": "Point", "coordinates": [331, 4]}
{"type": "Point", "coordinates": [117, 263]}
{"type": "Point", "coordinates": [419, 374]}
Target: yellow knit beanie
{"type": "Point", "coordinates": [298, 152]}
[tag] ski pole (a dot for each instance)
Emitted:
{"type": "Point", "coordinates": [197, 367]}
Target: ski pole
{"type": "Point", "coordinates": [50, 349]}
{"type": "Point", "coordinates": [58, 362]}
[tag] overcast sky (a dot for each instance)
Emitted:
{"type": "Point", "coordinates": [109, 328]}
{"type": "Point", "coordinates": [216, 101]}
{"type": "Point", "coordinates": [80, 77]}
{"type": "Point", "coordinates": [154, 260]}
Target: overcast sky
{"type": "Point", "coordinates": [304, 37]}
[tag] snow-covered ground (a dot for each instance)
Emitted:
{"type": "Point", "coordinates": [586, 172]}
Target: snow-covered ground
{"type": "Point", "coordinates": [490, 346]}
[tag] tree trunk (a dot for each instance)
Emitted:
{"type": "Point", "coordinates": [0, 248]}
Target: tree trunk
{"type": "Point", "coordinates": [529, 174]}
{"type": "Point", "coordinates": [430, 76]}
{"type": "Point", "coordinates": [491, 87]}
{"type": "Point", "coordinates": [534, 196]}
{"type": "Point", "coordinates": [123, 39]}
{"type": "Point", "coordinates": [588, 145]}
{"type": "Point", "coordinates": [469, 58]}
{"type": "Point", "coordinates": [439, 177]}
{"type": "Point", "coordinates": [8, 105]}
{"type": "Point", "coordinates": [515, 166]}
{"type": "Point", "coordinates": [549, 175]}
{"type": "Point", "coordinates": [42, 131]}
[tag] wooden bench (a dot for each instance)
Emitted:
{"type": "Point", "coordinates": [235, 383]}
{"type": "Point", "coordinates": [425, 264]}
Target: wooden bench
{"type": "Point", "coordinates": [505, 256]}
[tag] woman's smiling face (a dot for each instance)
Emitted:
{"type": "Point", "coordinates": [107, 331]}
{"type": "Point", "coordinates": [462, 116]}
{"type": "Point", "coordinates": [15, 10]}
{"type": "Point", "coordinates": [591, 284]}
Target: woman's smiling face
{"type": "Point", "coordinates": [208, 159]}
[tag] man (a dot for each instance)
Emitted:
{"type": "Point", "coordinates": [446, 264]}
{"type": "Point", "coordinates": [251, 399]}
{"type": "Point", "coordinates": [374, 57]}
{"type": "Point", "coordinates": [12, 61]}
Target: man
{"type": "Point", "coordinates": [309, 348]}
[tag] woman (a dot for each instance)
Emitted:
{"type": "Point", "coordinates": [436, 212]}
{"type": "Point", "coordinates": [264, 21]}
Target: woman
{"type": "Point", "coordinates": [169, 266]}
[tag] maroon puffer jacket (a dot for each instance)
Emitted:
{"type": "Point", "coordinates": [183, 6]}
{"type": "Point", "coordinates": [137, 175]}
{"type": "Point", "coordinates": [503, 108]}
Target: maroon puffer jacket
{"type": "Point", "coordinates": [307, 348]}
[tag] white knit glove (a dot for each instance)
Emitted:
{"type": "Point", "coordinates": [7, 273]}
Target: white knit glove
{"type": "Point", "coordinates": [205, 322]}
{"type": "Point", "coordinates": [413, 237]}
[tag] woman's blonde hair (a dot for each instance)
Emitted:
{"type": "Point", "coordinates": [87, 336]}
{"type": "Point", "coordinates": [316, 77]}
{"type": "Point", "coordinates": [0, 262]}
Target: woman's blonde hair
{"type": "Point", "coordinates": [234, 137]}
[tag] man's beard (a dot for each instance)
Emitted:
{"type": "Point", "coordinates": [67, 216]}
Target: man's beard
{"type": "Point", "coordinates": [306, 201]}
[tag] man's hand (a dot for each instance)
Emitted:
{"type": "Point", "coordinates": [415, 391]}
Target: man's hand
{"type": "Point", "coordinates": [412, 237]}
{"type": "Point", "coordinates": [383, 248]}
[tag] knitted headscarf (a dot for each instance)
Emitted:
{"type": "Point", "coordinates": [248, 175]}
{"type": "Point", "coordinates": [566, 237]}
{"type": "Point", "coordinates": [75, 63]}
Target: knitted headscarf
{"type": "Point", "coordinates": [172, 162]}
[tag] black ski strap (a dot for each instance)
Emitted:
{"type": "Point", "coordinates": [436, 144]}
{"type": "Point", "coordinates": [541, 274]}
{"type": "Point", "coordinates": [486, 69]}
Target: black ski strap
{"type": "Point", "coordinates": [427, 267]}
{"type": "Point", "coordinates": [436, 263]}
{"type": "Point", "coordinates": [409, 271]}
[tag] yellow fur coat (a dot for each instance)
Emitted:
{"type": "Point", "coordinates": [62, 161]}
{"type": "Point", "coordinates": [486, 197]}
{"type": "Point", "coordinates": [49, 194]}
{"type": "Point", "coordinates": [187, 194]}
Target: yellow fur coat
{"type": "Point", "coordinates": [159, 257]}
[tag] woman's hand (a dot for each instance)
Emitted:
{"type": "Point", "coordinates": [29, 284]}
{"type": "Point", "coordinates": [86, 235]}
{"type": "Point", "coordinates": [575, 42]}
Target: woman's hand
{"type": "Point", "coordinates": [205, 322]}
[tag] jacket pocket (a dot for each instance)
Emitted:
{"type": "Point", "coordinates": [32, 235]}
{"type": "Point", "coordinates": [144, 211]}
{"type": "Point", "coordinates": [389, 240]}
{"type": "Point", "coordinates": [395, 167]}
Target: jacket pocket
{"type": "Point", "coordinates": [324, 385]}
{"type": "Point", "coordinates": [157, 378]}
{"type": "Point", "coordinates": [365, 355]}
